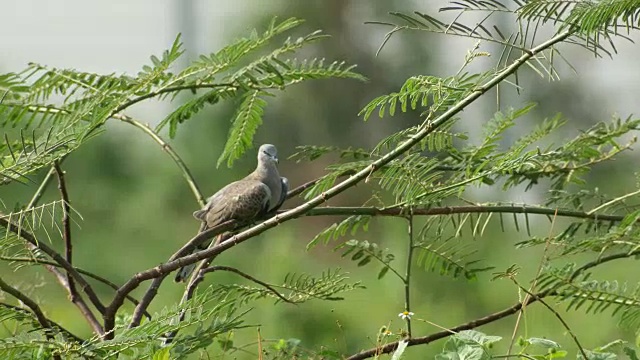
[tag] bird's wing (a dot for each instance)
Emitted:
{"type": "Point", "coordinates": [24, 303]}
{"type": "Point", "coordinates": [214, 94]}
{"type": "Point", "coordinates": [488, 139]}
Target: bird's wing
{"type": "Point", "coordinates": [241, 201]}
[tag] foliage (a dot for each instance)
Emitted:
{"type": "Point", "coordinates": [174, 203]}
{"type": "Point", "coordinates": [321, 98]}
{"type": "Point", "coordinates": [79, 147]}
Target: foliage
{"type": "Point", "coordinates": [425, 175]}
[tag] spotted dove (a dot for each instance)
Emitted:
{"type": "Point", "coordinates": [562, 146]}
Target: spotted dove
{"type": "Point", "coordinates": [259, 194]}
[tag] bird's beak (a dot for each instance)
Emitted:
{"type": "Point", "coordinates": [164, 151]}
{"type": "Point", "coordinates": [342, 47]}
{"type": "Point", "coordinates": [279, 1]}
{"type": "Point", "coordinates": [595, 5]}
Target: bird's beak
{"type": "Point", "coordinates": [275, 158]}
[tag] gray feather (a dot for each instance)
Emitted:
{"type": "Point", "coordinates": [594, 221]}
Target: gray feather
{"type": "Point", "coordinates": [245, 200]}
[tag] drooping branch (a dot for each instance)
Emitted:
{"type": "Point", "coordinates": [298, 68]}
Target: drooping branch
{"type": "Point", "coordinates": [31, 239]}
{"type": "Point", "coordinates": [42, 319]}
{"type": "Point", "coordinates": [186, 173]}
{"type": "Point", "coordinates": [53, 324]}
{"type": "Point", "coordinates": [96, 277]}
{"type": "Point", "coordinates": [428, 128]}
{"type": "Point", "coordinates": [127, 119]}
{"type": "Point", "coordinates": [199, 276]}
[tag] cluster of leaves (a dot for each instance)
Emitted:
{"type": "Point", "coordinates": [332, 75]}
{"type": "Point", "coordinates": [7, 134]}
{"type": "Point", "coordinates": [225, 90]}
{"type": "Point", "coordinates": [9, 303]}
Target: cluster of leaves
{"type": "Point", "coordinates": [474, 345]}
{"type": "Point", "coordinates": [48, 113]}
{"type": "Point", "coordinates": [53, 112]}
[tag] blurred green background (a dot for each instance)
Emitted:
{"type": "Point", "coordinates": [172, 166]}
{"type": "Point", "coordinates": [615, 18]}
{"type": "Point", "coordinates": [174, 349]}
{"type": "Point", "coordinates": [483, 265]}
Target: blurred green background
{"type": "Point", "coordinates": [136, 208]}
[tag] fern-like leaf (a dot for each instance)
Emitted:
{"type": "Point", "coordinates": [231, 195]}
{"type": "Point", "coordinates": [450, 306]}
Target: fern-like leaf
{"type": "Point", "coordinates": [246, 121]}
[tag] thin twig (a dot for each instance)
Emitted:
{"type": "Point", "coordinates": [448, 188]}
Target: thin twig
{"type": "Point", "coordinates": [613, 201]}
{"type": "Point", "coordinates": [390, 347]}
{"type": "Point", "coordinates": [31, 239]}
{"type": "Point", "coordinates": [43, 186]}
{"type": "Point", "coordinates": [534, 283]}
{"type": "Point", "coordinates": [250, 278]}
{"type": "Point", "coordinates": [161, 270]}
{"type": "Point", "coordinates": [166, 91]}
{"type": "Point", "coordinates": [96, 277]}
{"type": "Point", "coordinates": [159, 273]}
{"type": "Point", "coordinates": [566, 326]}
{"type": "Point", "coordinates": [407, 276]}
{"type": "Point", "coordinates": [68, 334]}
{"type": "Point", "coordinates": [66, 227]}
{"type": "Point", "coordinates": [186, 173]}
{"type": "Point", "coordinates": [42, 319]}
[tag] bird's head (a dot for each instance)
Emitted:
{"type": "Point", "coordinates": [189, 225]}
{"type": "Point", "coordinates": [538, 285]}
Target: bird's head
{"type": "Point", "coordinates": [267, 153]}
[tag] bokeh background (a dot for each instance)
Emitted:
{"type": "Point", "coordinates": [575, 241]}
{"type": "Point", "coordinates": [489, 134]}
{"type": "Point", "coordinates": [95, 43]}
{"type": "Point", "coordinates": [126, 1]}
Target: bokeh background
{"type": "Point", "coordinates": [136, 208]}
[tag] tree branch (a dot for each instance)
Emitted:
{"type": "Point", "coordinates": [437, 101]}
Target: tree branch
{"type": "Point", "coordinates": [30, 238]}
{"type": "Point", "coordinates": [250, 278]}
{"type": "Point", "coordinates": [388, 348]}
{"type": "Point", "coordinates": [186, 173]}
{"type": "Point", "coordinates": [96, 277]}
{"type": "Point", "coordinates": [66, 228]}
{"type": "Point", "coordinates": [33, 245]}
{"type": "Point", "coordinates": [533, 297]}
{"type": "Point", "coordinates": [158, 274]}
{"type": "Point", "coordinates": [44, 322]}
{"type": "Point", "coordinates": [166, 91]}
{"type": "Point", "coordinates": [53, 324]}
{"type": "Point", "coordinates": [429, 127]}
{"type": "Point", "coordinates": [402, 211]}
{"type": "Point", "coordinates": [77, 300]}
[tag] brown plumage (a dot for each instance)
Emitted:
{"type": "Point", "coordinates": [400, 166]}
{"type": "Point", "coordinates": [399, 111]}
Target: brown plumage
{"type": "Point", "coordinates": [261, 192]}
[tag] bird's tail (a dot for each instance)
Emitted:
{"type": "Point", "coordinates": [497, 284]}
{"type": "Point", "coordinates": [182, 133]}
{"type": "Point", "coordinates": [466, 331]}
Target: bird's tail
{"type": "Point", "coordinates": [185, 271]}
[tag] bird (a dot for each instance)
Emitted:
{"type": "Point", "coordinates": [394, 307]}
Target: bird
{"type": "Point", "coordinates": [258, 195]}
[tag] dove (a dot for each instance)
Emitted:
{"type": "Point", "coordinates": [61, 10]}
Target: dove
{"type": "Point", "coordinates": [257, 195]}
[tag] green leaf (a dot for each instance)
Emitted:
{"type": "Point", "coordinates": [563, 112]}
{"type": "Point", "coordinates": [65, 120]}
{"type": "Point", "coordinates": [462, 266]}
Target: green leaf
{"type": "Point", "coordinates": [163, 354]}
{"type": "Point", "coordinates": [246, 121]}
